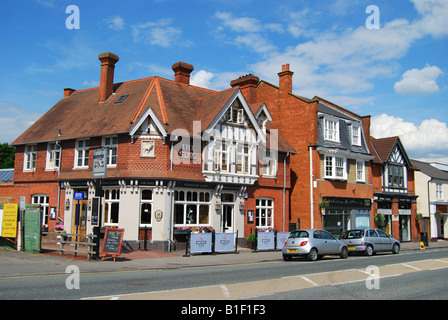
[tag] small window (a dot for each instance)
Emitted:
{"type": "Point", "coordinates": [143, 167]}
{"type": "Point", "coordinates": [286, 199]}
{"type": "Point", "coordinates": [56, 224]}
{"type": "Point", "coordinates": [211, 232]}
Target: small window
{"type": "Point", "coordinates": [121, 98]}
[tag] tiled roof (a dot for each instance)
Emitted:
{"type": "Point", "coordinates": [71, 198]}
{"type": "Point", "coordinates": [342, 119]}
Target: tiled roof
{"type": "Point", "coordinates": [175, 105]}
{"type": "Point", "coordinates": [430, 170]}
{"type": "Point", "coordinates": [383, 148]}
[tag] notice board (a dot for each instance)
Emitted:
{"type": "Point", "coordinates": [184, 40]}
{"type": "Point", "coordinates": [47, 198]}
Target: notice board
{"type": "Point", "coordinates": [113, 238]}
{"type": "Point", "coordinates": [32, 228]}
{"type": "Point", "coordinates": [9, 221]}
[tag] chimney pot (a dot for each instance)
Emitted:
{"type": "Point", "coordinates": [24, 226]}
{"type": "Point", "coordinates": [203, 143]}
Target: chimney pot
{"type": "Point", "coordinates": [285, 80]}
{"type": "Point", "coordinates": [108, 61]}
{"type": "Point", "coordinates": [248, 86]}
{"type": "Point", "coordinates": [68, 92]}
{"type": "Point", "coordinates": [182, 72]}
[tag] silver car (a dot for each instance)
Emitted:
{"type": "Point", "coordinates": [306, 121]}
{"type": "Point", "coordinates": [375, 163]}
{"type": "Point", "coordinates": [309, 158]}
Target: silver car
{"type": "Point", "coordinates": [313, 243]}
{"type": "Point", "coordinates": [370, 241]}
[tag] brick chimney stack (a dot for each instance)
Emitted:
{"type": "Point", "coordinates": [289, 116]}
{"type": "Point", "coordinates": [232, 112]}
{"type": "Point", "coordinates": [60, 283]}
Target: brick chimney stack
{"type": "Point", "coordinates": [285, 80]}
{"type": "Point", "coordinates": [108, 61]}
{"type": "Point", "coordinates": [68, 92]}
{"type": "Point", "coordinates": [182, 72]}
{"type": "Point", "coordinates": [248, 86]}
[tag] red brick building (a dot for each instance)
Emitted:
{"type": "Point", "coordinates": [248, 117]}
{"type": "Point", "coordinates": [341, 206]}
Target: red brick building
{"type": "Point", "coordinates": [177, 156]}
{"type": "Point", "coordinates": [332, 167]}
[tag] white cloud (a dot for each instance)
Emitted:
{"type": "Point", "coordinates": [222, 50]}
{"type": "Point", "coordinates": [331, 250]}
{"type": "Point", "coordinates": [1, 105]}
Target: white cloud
{"type": "Point", "coordinates": [160, 33]}
{"type": "Point", "coordinates": [430, 137]}
{"type": "Point", "coordinates": [246, 24]}
{"type": "Point", "coordinates": [202, 79]}
{"type": "Point", "coordinates": [417, 81]}
{"type": "Point", "coordinates": [434, 13]}
{"type": "Point", "coordinates": [115, 23]}
{"type": "Point", "coordinates": [14, 121]}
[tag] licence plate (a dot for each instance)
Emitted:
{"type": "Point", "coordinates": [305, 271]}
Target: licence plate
{"type": "Point", "coordinates": [351, 248]}
{"type": "Point", "coordinates": [293, 250]}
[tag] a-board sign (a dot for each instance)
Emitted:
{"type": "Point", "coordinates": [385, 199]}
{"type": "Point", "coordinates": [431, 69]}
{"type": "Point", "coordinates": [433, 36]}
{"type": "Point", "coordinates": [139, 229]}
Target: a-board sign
{"type": "Point", "coordinates": [113, 238]}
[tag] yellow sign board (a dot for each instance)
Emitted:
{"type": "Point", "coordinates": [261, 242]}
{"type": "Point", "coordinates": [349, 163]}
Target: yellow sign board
{"type": "Point", "coordinates": [9, 225]}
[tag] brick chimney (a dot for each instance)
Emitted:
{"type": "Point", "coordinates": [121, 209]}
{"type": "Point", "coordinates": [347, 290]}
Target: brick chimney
{"type": "Point", "coordinates": [248, 86]}
{"type": "Point", "coordinates": [108, 61]}
{"type": "Point", "coordinates": [68, 92]}
{"type": "Point", "coordinates": [285, 80]}
{"type": "Point", "coordinates": [182, 72]}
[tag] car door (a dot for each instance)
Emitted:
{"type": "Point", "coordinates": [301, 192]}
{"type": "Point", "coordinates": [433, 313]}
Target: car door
{"type": "Point", "coordinates": [330, 244]}
{"type": "Point", "coordinates": [386, 242]}
{"type": "Point", "coordinates": [373, 238]}
{"type": "Point", "coordinates": [318, 242]}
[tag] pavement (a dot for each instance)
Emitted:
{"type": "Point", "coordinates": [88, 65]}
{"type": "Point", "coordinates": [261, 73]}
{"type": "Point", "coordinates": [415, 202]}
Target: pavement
{"type": "Point", "coordinates": [19, 264]}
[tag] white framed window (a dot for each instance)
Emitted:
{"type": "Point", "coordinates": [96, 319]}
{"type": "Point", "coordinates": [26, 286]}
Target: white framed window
{"type": "Point", "coordinates": [82, 153]}
{"type": "Point", "coordinates": [270, 164]}
{"type": "Point", "coordinates": [439, 192]}
{"type": "Point", "coordinates": [111, 206]}
{"type": "Point", "coordinates": [44, 201]}
{"type": "Point", "coordinates": [146, 207]}
{"type": "Point", "coordinates": [264, 212]}
{"type": "Point", "coordinates": [191, 207]}
{"type": "Point", "coordinates": [221, 156]}
{"type": "Point", "coordinates": [243, 158]}
{"type": "Point", "coordinates": [335, 167]}
{"type": "Point", "coordinates": [331, 129]}
{"type": "Point", "coordinates": [356, 135]}
{"type": "Point", "coordinates": [112, 144]}
{"type": "Point", "coordinates": [30, 155]}
{"type": "Point", "coordinates": [360, 171]}
{"type": "Point", "coordinates": [53, 153]}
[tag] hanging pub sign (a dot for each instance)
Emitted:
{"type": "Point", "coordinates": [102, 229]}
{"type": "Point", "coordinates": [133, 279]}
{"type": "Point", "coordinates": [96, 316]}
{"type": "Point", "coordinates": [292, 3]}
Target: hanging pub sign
{"type": "Point", "coordinates": [99, 163]}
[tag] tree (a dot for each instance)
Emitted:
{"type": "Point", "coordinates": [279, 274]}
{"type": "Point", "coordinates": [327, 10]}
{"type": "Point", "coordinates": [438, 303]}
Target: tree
{"type": "Point", "coordinates": [7, 155]}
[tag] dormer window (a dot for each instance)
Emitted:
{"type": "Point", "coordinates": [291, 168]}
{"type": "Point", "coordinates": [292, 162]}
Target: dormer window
{"type": "Point", "coordinates": [356, 135]}
{"type": "Point", "coordinates": [236, 113]}
{"type": "Point", "coordinates": [331, 129]}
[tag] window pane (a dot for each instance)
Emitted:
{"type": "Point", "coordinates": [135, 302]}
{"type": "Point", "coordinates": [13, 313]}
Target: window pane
{"type": "Point", "coordinates": [145, 215]}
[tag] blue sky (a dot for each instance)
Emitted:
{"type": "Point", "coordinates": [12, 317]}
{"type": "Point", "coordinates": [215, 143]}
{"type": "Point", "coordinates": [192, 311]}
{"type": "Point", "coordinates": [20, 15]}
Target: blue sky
{"type": "Point", "coordinates": [398, 73]}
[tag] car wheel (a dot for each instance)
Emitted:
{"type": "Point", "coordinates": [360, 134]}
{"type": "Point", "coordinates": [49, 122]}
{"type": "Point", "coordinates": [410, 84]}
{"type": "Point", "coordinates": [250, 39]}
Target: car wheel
{"type": "Point", "coordinates": [344, 253]}
{"type": "Point", "coordinates": [396, 249]}
{"type": "Point", "coordinates": [369, 251]}
{"type": "Point", "coordinates": [287, 257]}
{"type": "Point", "coordinates": [312, 255]}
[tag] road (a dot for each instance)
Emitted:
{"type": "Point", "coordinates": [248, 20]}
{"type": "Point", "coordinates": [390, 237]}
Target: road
{"type": "Point", "coordinates": [409, 275]}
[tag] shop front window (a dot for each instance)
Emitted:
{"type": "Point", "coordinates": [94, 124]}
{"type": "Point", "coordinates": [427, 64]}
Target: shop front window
{"type": "Point", "coordinates": [111, 207]}
{"type": "Point", "coordinates": [191, 207]}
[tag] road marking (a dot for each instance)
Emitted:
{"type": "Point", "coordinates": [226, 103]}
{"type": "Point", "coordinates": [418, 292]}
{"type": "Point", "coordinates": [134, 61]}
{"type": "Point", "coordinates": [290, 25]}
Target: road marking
{"type": "Point", "coordinates": [285, 284]}
{"type": "Point", "coordinates": [309, 281]}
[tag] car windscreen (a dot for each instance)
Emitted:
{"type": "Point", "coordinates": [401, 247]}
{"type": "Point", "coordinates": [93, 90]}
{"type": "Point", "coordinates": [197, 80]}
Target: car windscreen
{"type": "Point", "coordinates": [299, 234]}
{"type": "Point", "coordinates": [353, 234]}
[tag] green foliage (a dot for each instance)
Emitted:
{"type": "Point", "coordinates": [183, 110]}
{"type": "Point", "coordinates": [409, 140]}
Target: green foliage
{"type": "Point", "coordinates": [7, 155]}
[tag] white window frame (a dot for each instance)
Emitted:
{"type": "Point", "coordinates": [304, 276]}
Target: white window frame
{"type": "Point", "coordinates": [82, 153]}
{"type": "Point", "coordinates": [335, 167]}
{"type": "Point", "coordinates": [146, 202]}
{"type": "Point", "coordinates": [262, 206]}
{"type": "Point", "coordinates": [44, 201]}
{"type": "Point", "coordinates": [243, 162]}
{"type": "Point", "coordinates": [331, 129]}
{"type": "Point", "coordinates": [29, 157]}
{"type": "Point", "coordinates": [221, 156]}
{"type": "Point", "coordinates": [270, 165]}
{"type": "Point", "coordinates": [189, 199]}
{"type": "Point", "coordinates": [53, 153]}
{"type": "Point", "coordinates": [439, 191]}
{"type": "Point", "coordinates": [356, 135]}
{"type": "Point", "coordinates": [112, 150]}
{"type": "Point", "coordinates": [360, 171]}
{"type": "Point", "coordinates": [111, 196]}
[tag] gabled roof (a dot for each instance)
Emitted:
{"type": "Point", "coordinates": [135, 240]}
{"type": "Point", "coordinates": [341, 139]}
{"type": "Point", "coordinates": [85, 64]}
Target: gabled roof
{"type": "Point", "coordinates": [383, 148]}
{"type": "Point", "coordinates": [171, 105]}
{"type": "Point", "coordinates": [430, 170]}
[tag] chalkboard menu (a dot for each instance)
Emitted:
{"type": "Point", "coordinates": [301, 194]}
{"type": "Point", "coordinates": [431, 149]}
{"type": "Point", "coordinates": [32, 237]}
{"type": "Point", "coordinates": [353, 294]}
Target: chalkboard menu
{"type": "Point", "coordinates": [113, 238]}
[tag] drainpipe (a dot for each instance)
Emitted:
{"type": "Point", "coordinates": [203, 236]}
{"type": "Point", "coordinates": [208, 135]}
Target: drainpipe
{"type": "Point", "coordinates": [59, 184]}
{"type": "Point", "coordinates": [284, 192]}
{"type": "Point", "coordinates": [311, 188]}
